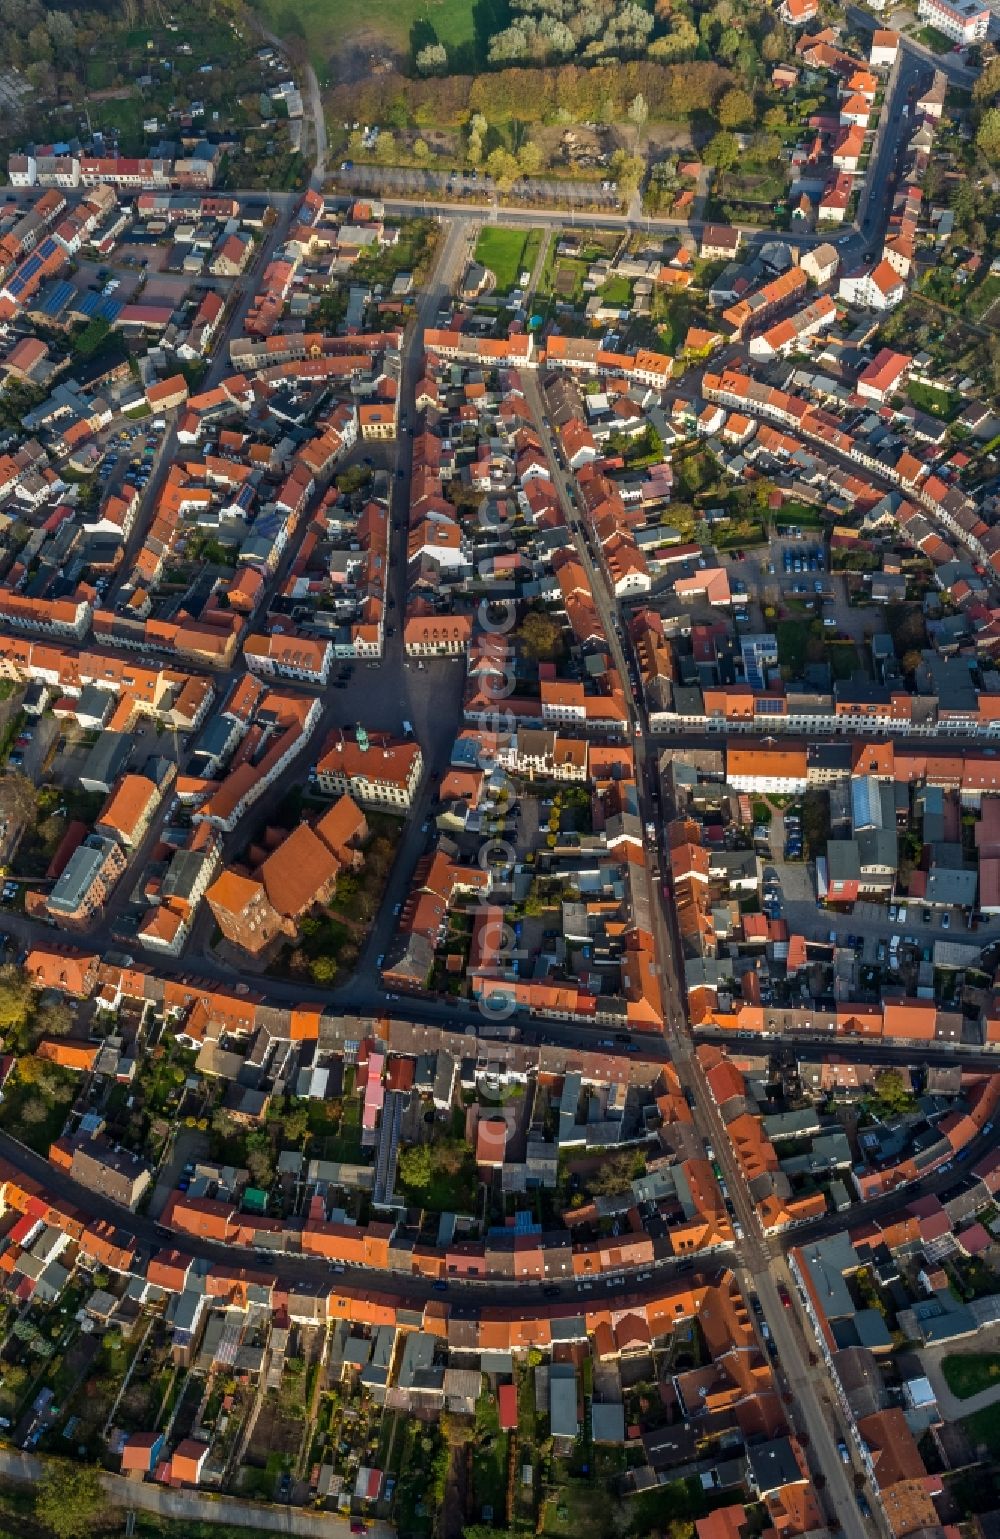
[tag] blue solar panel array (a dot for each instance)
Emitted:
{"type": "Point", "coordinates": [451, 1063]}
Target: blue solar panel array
{"type": "Point", "coordinates": [55, 297]}
{"type": "Point", "coordinates": [99, 307]}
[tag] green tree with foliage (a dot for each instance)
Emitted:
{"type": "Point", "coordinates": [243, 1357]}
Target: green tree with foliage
{"type": "Point", "coordinates": [893, 1095]}
{"type": "Point", "coordinates": [736, 109]}
{"type": "Point", "coordinates": [530, 158]}
{"type": "Point", "coordinates": [541, 636]}
{"type": "Point", "coordinates": [54, 1018]}
{"type": "Point", "coordinates": [415, 1166]}
{"type": "Point", "coordinates": [988, 135]}
{"type": "Point", "coordinates": [72, 1502]}
{"type": "Point", "coordinates": [17, 997]}
{"type": "Point", "coordinates": [721, 151]}
{"type": "Point", "coordinates": [323, 969]}
{"type": "Point", "coordinates": [432, 60]}
{"type": "Point", "coordinates": [502, 166]}
{"type": "Point", "coordinates": [260, 1158]}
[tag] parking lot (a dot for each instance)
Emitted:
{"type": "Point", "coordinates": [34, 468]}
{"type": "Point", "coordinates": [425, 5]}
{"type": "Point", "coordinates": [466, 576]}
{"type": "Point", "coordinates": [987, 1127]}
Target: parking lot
{"type": "Point", "coordinates": [474, 187]}
{"type": "Point", "coordinates": [770, 578]}
{"type": "Point", "coordinates": [789, 893]}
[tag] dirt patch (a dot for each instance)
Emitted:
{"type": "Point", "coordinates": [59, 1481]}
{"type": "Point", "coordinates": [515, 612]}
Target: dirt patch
{"type": "Point", "coordinates": [274, 1433]}
{"type": "Point", "coordinates": [456, 1495]}
{"type": "Point", "coordinates": [362, 55]}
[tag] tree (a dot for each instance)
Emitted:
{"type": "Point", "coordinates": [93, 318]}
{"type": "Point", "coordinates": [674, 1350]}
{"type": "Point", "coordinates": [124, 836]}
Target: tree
{"type": "Point", "coordinates": [721, 151]}
{"type": "Point", "coordinates": [776, 45]}
{"type": "Point", "coordinates": [541, 636]}
{"type": "Point", "coordinates": [323, 969]}
{"type": "Point", "coordinates": [17, 997]}
{"type": "Point", "coordinates": [638, 110]}
{"type": "Point", "coordinates": [40, 45]}
{"type": "Point", "coordinates": [893, 1095]}
{"type": "Point", "coordinates": [735, 108]}
{"type": "Point", "coordinates": [223, 1125]}
{"type": "Point", "coordinates": [55, 1019]}
{"type": "Point", "coordinates": [432, 60]}
{"type": "Point", "coordinates": [71, 1500]}
{"type": "Point", "coordinates": [988, 135]}
{"type": "Point", "coordinates": [34, 1111]}
{"type": "Point", "coordinates": [502, 166]}
{"type": "Point", "coordinates": [530, 158]}
{"type": "Point", "coordinates": [679, 43]}
{"type": "Point", "coordinates": [295, 1123]}
{"type": "Point", "coordinates": [385, 148]}
{"type": "Point", "coordinates": [260, 1159]}
{"type": "Point", "coordinates": [905, 624]}
{"type": "Point", "coordinates": [62, 32]}
{"type": "Point", "coordinates": [415, 1166]}
{"type": "Point", "coordinates": [613, 1175]}
{"type": "Point", "coordinates": [911, 660]}
{"type": "Point", "coordinates": [627, 171]}
{"type": "Point", "coordinates": [18, 798]}
{"type": "Point", "coordinates": [422, 150]}
{"type": "Point", "coordinates": [987, 87]}
{"type": "Point", "coordinates": [680, 1528]}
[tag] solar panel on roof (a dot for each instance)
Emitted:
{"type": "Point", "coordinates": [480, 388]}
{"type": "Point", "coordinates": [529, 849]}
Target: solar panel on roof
{"type": "Point", "coordinates": [56, 297]}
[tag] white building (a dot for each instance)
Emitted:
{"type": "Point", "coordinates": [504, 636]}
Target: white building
{"type": "Point", "coordinates": [967, 21]}
{"type": "Point", "coordinates": [880, 288]}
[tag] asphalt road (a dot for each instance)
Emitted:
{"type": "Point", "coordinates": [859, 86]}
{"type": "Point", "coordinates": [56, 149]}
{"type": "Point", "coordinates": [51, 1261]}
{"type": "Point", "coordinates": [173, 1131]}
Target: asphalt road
{"type": "Point", "coordinates": [754, 1247]}
{"type": "Point", "coordinates": [910, 76]}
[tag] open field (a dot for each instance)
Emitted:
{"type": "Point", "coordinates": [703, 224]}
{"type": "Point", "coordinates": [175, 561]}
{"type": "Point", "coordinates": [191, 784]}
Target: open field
{"type": "Point", "coordinates": [400, 27]}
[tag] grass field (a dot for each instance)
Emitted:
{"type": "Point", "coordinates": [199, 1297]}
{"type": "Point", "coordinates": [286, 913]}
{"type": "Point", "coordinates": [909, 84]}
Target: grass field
{"type": "Point", "coordinates": [936, 41]}
{"type": "Point", "coordinates": [398, 24]}
{"type": "Point", "coordinates": [934, 401]}
{"type": "Point", "coordinates": [968, 1373]}
{"type": "Point", "coordinates": [503, 252]}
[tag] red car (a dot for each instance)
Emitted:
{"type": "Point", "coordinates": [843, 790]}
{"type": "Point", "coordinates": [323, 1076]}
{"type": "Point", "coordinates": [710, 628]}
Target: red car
{"type": "Point", "coordinates": [783, 1296]}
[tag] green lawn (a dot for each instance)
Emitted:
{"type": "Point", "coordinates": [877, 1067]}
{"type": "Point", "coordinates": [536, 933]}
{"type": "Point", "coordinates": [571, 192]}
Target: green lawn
{"type": "Point", "coordinates": [502, 251]}
{"type": "Point", "coordinates": [532, 246]}
{"type": "Point", "coordinates": [934, 40]}
{"type": "Point", "coordinates": [793, 638]}
{"type": "Point", "coordinates": [489, 1458]}
{"type": "Point", "coordinates": [968, 1373]}
{"type": "Point", "coordinates": [936, 402]}
{"type": "Point", "coordinates": [617, 291]}
{"type": "Point", "coordinates": [798, 515]}
{"type": "Point", "coordinates": [325, 27]}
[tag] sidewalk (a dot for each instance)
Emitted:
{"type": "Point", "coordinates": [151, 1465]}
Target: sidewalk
{"type": "Point", "coordinates": [201, 1506]}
